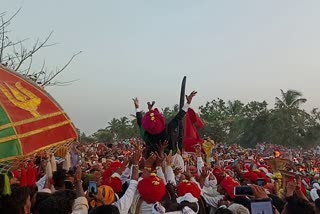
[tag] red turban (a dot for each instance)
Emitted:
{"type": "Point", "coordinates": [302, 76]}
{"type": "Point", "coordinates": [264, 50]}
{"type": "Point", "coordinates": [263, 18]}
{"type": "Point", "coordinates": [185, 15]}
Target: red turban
{"type": "Point", "coordinates": [152, 189]}
{"type": "Point", "coordinates": [115, 183]}
{"type": "Point", "coordinates": [251, 176]}
{"type": "Point", "coordinates": [218, 173]}
{"type": "Point", "coordinates": [228, 184]}
{"type": "Point", "coordinates": [111, 169]}
{"type": "Point", "coordinates": [153, 122]}
{"type": "Point", "coordinates": [188, 187]}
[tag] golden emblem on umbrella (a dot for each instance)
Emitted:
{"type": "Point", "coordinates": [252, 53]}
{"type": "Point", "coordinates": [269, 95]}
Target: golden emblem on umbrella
{"type": "Point", "coordinates": [22, 98]}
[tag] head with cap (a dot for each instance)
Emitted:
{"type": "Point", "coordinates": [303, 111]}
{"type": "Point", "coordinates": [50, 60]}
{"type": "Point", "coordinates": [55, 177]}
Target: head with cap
{"type": "Point", "coordinates": [219, 174]}
{"type": "Point", "coordinates": [210, 181]}
{"type": "Point", "coordinates": [250, 177]}
{"type": "Point", "coordinates": [111, 177]}
{"type": "Point", "coordinates": [186, 187]}
{"type": "Point", "coordinates": [152, 189]}
{"type": "Point", "coordinates": [153, 122]}
{"type": "Point", "coordinates": [316, 185]}
{"type": "Point", "coordinates": [114, 182]}
{"type": "Point", "coordinates": [108, 195]}
{"type": "Point", "coordinates": [238, 209]}
{"type": "Point", "coordinates": [227, 187]}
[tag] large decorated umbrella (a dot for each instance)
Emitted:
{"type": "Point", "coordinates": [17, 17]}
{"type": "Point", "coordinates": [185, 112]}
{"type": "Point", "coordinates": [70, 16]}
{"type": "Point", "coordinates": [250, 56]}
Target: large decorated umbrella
{"type": "Point", "coordinates": [30, 120]}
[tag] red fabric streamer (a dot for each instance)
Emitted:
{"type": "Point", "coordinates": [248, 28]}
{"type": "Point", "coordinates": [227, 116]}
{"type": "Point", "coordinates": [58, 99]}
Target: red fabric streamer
{"type": "Point", "coordinates": [192, 124]}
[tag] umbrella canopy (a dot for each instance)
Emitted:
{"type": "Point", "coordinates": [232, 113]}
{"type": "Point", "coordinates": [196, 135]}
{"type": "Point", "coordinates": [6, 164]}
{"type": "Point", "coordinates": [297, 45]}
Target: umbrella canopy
{"type": "Point", "coordinates": [30, 119]}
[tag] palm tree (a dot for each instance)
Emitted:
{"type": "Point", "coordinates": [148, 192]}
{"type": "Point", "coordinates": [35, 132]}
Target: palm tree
{"type": "Point", "coordinates": [290, 99]}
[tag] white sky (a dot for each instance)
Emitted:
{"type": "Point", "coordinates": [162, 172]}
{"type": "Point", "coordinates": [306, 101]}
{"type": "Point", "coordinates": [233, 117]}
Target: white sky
{"type": "Point", "coordinates": [245, 50]}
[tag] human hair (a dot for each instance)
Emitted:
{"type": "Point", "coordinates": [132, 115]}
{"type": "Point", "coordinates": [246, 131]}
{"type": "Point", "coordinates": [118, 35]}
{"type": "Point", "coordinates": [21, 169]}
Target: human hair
{"type": "Point", "coordinates": [110, 209]}
{"type": "Point", "coordinates": [296, 205]}
{"type": "Point", "coordinates": [58, 203]}
{"type": "Point", "coordinates": [169, 201]}
{"type": "Point", "coordinates": [14, 204]}
{"type": "Point", "coordinates": [277, 202]}
{"type": "Point", "coordinates": [39, 197]}
{"type": "Point", "coordinates": [124, 189]}
{"type": "Point", "coordinates": [243, 201]}
{"type": "Point", "coordinates": [58, 178]}
{"type": "Point", "coordinates": [223, 210]}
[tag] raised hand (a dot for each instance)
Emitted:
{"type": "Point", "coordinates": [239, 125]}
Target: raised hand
{"type": "Point", "coordinates": [205, 172]}
{"type": "Point", "coordinates": [136, 102]}
{"type": "Point", "coordinates": [150, 105]}
{"type": "Point", "coordinates": [77, 175]}
{"type": "Point", "coordinates": [136, 157]}
{"type": "Point", "coordinates": [162, 146]}
{"type": "Point", "coordinates": [150, 161]}
{"type": "Point", "coordinates": [258, 192]}
{"type": "Point", "coordinates": [159, 160]}
{"type": "Point", "coordinates": [191, 95]}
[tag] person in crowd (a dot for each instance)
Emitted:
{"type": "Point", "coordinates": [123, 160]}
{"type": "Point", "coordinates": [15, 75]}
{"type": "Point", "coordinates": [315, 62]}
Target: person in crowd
{"type": "Point", "coordinates": [153, 127]}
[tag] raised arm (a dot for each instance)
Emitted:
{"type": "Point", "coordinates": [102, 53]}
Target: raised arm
{"type": "Point", "coordinates": [138, 111]}
{"type": "Point", "coordinates": [174, 123]}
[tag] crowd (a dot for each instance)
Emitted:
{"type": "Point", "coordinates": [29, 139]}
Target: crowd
{"type": "Point", "coordinates": [126, 182]}
{"type": "Point", "coordinates": [151, 176]}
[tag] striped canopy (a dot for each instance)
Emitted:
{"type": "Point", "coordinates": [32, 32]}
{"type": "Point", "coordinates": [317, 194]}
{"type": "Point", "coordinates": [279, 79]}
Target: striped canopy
{"type": "Point", "coordinates": [30, 120]}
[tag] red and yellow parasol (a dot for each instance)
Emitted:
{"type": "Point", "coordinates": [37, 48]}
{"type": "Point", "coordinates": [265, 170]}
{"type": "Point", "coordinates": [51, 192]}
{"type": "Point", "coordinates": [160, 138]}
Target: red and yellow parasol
{"type": "Point", "coordinates": [30, 120]}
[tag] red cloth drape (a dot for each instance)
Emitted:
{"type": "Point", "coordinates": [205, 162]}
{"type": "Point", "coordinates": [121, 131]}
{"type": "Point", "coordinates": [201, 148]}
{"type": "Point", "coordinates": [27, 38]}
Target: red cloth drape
{"type": "Point", "coordinates": [192, 124]}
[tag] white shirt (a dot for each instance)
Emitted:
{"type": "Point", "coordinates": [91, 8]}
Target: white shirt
{"type": "Point", "coordinates": [80, 206]}
{"type": "Point", "coordinates": [124, 203]}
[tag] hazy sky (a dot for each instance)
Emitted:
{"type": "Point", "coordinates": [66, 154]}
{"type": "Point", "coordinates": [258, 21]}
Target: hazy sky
{"type": "Point", "coordinates": [238, 49]}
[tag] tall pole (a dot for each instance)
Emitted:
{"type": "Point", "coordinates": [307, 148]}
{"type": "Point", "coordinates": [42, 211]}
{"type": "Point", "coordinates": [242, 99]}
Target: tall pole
{"type": "Point", "coordinates": [181, 104]}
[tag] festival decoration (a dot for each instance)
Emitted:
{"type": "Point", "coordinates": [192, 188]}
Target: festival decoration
{"type": "Point", "coordinates": [30, 120]}
{"type": "Point", "coordinates": [207, 147]}
{"type": "Point", "coordinates": [278, 165]}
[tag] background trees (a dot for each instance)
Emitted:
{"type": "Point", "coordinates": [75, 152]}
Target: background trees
{"type": "Point", "coordinates": [284, 123]}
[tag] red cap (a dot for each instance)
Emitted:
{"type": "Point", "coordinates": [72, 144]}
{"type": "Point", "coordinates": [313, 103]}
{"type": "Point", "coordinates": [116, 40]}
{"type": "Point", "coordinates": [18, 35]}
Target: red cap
{"type": "Point", "coordinates": [218, 173]}
{"type": "Point", "coordinates": [152, 189]}
{"type": "Point", "coordinates": [115, 183]}
{"type": "Point", "coordinates": [153, 122]}
{"type": "Point", "coordinates": [112, 168]}
{"type": "Point", "coordinates": [251, 176]}
{"type": "Point", "coordinates": [262, 175]}
{"type": "Point", "coordinates": [228, 184]}
{"type": "Point", "coordinates": [188, 187]}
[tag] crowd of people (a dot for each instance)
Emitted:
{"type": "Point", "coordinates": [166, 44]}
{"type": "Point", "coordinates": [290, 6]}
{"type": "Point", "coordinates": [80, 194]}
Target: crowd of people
{"type": "Point", "coordinates": [152, 175]}
{"type": "Point", "coordinates": [126, 182]}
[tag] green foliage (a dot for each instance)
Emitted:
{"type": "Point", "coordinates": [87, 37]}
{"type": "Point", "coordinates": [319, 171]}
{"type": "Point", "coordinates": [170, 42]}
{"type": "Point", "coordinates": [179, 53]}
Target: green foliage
{"type": "Point", "coordinates": [285, 124]}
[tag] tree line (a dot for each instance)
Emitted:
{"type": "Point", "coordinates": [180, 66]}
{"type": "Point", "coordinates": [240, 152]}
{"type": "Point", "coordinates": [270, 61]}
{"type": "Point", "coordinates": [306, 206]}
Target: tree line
{"type": "Point", "coordinates": [234, 122]}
